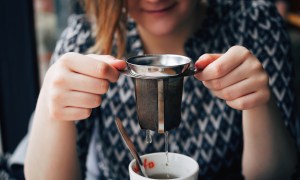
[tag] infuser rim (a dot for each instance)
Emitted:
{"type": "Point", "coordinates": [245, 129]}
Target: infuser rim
{"type": "Point", "coordinates": [160, 66]}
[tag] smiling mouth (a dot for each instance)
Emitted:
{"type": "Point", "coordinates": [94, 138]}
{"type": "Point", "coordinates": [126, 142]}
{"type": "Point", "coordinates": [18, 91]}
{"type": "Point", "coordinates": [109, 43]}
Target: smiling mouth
{"type": "Point", "coordinates": [161, 10]}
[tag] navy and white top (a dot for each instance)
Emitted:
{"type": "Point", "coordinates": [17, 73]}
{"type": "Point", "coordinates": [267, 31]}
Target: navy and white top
{"type": "Point", "coordinates": [210, 131]}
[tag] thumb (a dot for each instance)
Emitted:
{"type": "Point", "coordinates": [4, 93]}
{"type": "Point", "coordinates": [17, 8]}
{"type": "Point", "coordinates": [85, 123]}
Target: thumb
{"type": "Point", "coordinates": [117, 63]}
{"type": "Point", "coordinates": [205, 60]}
{"type": "Point", "coordinates": [111, 60]}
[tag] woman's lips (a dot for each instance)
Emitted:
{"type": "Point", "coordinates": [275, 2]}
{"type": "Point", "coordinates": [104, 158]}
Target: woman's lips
{"type": "Point", "coordinates": [161, 10]}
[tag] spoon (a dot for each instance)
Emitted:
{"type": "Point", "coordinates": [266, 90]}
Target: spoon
{"type": "Point", "coordinates": [130, 146]}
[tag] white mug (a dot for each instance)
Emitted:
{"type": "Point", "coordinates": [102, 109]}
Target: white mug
{"type": "Point", "coordinates": [179, 167]}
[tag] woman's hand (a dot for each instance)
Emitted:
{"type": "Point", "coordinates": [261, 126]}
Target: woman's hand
{"type": "Point", "coordinates": [236, 76]}
{"type": "Point", "coordinates": [72, 86]}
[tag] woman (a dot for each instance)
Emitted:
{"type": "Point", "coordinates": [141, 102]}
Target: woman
{"type": "Point", "coordinates": [230, 121]}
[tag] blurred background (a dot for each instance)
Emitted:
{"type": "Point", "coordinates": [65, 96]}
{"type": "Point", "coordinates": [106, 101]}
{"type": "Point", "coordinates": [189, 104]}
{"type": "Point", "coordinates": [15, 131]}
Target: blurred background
{"type": "Point", "coordinates": [28, 37]}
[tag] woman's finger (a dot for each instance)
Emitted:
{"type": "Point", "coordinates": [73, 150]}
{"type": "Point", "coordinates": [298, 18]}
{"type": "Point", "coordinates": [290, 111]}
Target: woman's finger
{"type": "Point", "coordinates": [205, 60]}
{"type": "Point", "coordinates": [90, 66]}
{"type": "Point", "coordinates": [82, 100]}
{"type": "Point", "coordinates": [251, 100]}
{"type": "Point", "coordinates": [238, 90]}
{"type": "Point", "coordinates": [63, 98]}
{"type": "Point", "coordinates": [87, 84]}
{"type": "Point", "coordinates": [224, 64]}
{"type": "Point", "coordinates": [116, 63]}
{"type": "Point", "coordinates": [73, 113]}
{"type": "Point", "coordinates": [238, 74]}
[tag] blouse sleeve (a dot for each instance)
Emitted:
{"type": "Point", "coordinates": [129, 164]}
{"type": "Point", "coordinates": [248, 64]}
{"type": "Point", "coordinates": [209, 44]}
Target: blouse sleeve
{"type": "Point", "coordinates": [264, 33]}
{"type": "Point", "coordinates": [77, 38]}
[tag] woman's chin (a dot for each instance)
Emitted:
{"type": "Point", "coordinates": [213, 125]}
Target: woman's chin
{"type": "Point", "coordinates": [160, 30]}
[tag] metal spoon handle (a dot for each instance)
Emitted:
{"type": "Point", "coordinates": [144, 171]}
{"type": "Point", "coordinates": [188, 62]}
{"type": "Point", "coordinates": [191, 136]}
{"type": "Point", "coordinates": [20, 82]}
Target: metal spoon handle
{"type": "Point", "coordinates": [130, 146]}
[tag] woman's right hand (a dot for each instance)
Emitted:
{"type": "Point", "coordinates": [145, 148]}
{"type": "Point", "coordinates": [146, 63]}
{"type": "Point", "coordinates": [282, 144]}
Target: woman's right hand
{"type": "Point", "coordinates": [71, 88]}
{"type": "Point", "coordinates": [73, 85]}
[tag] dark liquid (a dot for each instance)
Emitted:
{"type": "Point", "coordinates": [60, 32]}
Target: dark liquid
{"type": "Point", "coordinates": [163, 176]}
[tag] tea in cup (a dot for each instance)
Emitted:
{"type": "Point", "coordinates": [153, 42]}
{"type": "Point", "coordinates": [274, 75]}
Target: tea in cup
{"type": "Point", "coordinates": [165, 166]}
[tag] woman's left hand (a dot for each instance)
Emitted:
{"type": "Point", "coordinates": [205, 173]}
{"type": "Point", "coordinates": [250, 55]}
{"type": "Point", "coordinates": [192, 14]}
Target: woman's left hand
{"type": "Point", "coordinates": [236, 76]}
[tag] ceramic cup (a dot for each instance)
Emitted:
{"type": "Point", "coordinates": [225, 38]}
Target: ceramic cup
{"type": "Point", "coordinates": [180, 167]}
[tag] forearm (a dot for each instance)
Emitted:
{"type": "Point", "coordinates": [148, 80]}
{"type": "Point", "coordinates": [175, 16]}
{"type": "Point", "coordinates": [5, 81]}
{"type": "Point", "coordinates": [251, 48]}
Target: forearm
{"type": "Point", "coordinates": [269, 151]}
{"type": "Point", "coordinates": [51, 151]}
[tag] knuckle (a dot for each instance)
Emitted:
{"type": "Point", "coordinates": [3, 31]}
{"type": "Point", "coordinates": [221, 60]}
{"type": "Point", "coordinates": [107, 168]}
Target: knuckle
{"type": "Point", "coordinates": [65, 58]}
{"type": "Point", "coordinates": [55, 112]}
{"type": "Point", "coordinates": [249, 103]}
{"type": "Point", "coordinates": [257, 66]}
{"type": "Point", "coordinates": [56, 96]}
{"type": "Point", "coordinates": [68, 55]}
{"type": "Point", "coordinates": [115, 78]}
{"type": "Point", "coordinates": [85, 113]}
{"type": "Point", "coordinates": [235, 47]}
{"type": "Point", "coordinates": [217, 84]}
{"type": "Point", "coordinates": [59, 81]}
{"type": "Point", "coordinates": [242, 50]}
{"type": "Point", "coordinates": [239, 48]}
{"type": "Point", "coordinates": [242, 105]}
{"type": "Point", "coordinates": [227, 95]}
{"type": "Point", "coordinates": [110, 57]}
{"type": "Point", "coordinates": [239, 104]}
{"type": "Point", "coordinates": [91, 55]}
{"type": "Point", "coordinates": [219, 70]}
{"type": "Point", "coordinates": [57, 77]}
{"type": "Point", "coordinates": [246, 53]}
{"type": "Point", "coordinates": [102, 69]}
{"type": "Point", "coordinates": [264, 79]}
{"type": "Point", "coordinates": [104, 86]}
{"type": "Point", "coordinates": [97, 101]}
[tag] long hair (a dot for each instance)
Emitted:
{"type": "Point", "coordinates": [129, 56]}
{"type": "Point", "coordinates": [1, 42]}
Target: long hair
{"type": "Point", "coordinates": [110, 22]}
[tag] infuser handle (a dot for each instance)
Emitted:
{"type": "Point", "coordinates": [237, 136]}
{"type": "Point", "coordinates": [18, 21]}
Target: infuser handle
{"type": "Point", "coordinates": [126, 72]}
{"type": "Point", "coordinates": [191, 71]}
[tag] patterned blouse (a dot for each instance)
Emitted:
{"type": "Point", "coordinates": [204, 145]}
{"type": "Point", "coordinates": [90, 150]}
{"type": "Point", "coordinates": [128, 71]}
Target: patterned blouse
{"type": "Point", "coordinates": [210, 131]}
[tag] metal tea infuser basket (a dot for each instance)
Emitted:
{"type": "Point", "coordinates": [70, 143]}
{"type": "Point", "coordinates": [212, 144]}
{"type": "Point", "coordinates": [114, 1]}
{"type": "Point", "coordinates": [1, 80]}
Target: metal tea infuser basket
{"type": "Point", "coordinates": [158, 81]}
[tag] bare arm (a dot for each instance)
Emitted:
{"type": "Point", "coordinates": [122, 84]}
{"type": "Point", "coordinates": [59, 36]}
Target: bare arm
{"type": "Point", "coordinates": [269, 151]}
{"type": "Point", "coordinates": [72, 87]}
{"type": "Point", "coordinates": [239, 78]}
{"type": "Point", "coordinates": [51, 152]}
